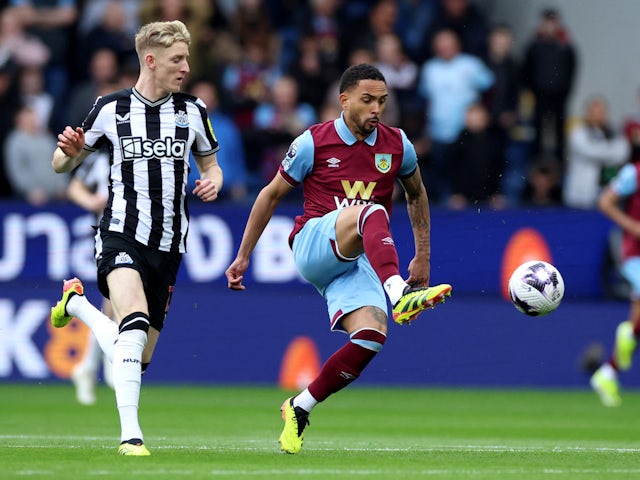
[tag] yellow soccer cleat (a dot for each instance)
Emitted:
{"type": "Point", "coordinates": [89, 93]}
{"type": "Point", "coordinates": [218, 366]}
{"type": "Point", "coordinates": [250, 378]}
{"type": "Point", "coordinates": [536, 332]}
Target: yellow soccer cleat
{"type": "Point", "coordinates": [295, 420]}
{"type": "Point", "coordinates": [59, 315]}
{"type": "Point", "coordinates": [133, 448]}
{"type": "Point", "coordinates": [605, 384]}
{"type": "Point", "coordinates": [625, 345]}
{"type": "Point", "coordinates": [415, 300]}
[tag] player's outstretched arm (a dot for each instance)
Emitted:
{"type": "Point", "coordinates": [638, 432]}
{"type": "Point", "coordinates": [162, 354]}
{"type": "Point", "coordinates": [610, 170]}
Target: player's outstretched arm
{"type": "Point", "coordinates": [70, 152]}
{"type": "Point", "coordinates": [420, 218]}
{"type": "Point", "coordinates": [261, 212]}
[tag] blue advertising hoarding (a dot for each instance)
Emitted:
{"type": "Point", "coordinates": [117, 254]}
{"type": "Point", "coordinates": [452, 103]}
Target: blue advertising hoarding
{"type": "Point", "coordinates": [216, 335]}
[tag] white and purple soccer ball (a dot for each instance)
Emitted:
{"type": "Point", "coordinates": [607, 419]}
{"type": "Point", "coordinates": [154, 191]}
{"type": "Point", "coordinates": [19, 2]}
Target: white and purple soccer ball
{"type": "Point", "coordinates": [536, 288]}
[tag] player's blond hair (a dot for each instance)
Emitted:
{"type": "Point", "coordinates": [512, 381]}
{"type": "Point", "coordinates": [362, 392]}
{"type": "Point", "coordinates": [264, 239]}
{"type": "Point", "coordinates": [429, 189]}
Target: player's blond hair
{"type": "Point", "coordinates": [161, 34]}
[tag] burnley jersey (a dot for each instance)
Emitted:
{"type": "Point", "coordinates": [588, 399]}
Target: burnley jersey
{"type": "Point", "coordinates": [626, 184]}
{"type": "Point", "coordinates": [337, 170]}
{"type": "Point", "coordinates": [149, 145]}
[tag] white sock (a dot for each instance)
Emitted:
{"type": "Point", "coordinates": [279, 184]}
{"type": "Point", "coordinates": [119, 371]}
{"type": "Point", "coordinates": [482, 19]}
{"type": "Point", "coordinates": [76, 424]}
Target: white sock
{"type": "Point", "coordinates": [104, 329]}
{"type": "Point", "coordinates": [127, 378]}
{"type": "Point", "coordinates": [608, 371]}
{"type": "Point", "coordinates": [394, 286]}
{"type": "Point", "coordinates": [305, 400]}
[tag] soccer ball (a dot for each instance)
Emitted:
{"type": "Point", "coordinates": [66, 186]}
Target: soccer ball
{"type": "Point", "coordinates": [536, 288]}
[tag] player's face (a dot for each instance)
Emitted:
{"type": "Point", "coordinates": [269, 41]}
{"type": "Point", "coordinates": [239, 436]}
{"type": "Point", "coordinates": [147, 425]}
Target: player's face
{"type": "Point", "coordinates": [172, 67]}
{"type": "Point", "coordinates": [363, 105]}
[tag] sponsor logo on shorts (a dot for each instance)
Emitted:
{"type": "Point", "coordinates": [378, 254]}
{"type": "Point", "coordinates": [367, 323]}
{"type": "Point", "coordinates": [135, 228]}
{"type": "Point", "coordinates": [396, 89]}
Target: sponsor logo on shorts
{"type": "Point", "coordinates": [123, 257]}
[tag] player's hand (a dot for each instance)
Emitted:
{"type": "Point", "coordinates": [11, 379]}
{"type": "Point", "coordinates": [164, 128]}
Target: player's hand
{"type": "Point", "coordinates": [235, 274]}
{"type": "Point", "coordinates": [419, 273]}
{"type": "Point", "coordinates": [206, 190]}
{"type": "Point", "coordinates": [71, 141]}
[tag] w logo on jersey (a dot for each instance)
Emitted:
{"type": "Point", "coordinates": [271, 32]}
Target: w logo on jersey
{"type": "Point", "coordinates": [383, 162]}
{"type": "Point", "coordinates": [358, 188]}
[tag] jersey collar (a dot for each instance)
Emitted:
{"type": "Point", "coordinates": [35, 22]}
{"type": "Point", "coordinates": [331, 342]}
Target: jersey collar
{"type": "Point", "coordinates": [349, 138]}
{"type": "Point", "coordinates": [146, 101]}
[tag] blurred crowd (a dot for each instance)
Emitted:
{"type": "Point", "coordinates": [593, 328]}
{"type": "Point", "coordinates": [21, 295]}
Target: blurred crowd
{"type": "Point", "coordinates": [490, 125]}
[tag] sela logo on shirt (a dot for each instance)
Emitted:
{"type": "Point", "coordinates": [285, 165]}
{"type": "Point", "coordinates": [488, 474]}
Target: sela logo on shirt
{"type": "Point", "coordinates": [123, 257]}
{"type": "Point", "coordinates": [136, 147]}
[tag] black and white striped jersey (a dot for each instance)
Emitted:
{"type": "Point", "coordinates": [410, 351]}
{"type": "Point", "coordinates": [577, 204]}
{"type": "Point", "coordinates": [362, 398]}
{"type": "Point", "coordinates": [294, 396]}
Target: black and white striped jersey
{"type": "Point", "coordinates": [149, 145]}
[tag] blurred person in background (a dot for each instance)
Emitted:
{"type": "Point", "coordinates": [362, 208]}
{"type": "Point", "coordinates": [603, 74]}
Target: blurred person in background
{"type": "Point", "coordinates": [110, 33]}
{"type": "Point", "coordinates": [278, 122]}
{"type": "Point", "coordinates": [477, 163]}
{"type": "Point", "coordinates": [620, 202]}
{"type": "Point", "coordinates": [232, 158]}
{"type": "Point", "coordinates": [32, 92]}
{"type": "Point", "coordinates": [463, 17]}
{"type": "Point", "coordinates": [596, 151]}
{"type": "Point", "coordinates": [103, 75]}
{"type": "Point", "coordinates": [543, 183]}
{"type": "Point", "coordinates": [53, 22]}
{"type": "Point", "coordinates": [26, 150]}
{"type": "Point", "coordinates": [548, 70]}
{"type": "Point", "coordinates": [9, 105]}
{"type": "Point", "coordinates": [449, 82]}
{"type": "Point", "coordinates": [19, 46]}
{"type": "Point", "coordinates": [632, 131]}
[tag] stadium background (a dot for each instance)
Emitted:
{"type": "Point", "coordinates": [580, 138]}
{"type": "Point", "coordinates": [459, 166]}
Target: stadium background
{"type": "Point", "coordinates": [476, 339]}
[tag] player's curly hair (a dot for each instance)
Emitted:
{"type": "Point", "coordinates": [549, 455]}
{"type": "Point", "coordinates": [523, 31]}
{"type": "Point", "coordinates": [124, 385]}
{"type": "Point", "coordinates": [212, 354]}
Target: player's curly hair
{"type": "Point", "coordinates": [355, 73]}
{"type": "Point", "coordinates": [161, 34]}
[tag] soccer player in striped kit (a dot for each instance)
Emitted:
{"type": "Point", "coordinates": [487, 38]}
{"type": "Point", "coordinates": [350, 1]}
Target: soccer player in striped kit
{"type": "Point", "coordinates": [341, 243]}
{"type": "Point", "coordinates": [149, 130]}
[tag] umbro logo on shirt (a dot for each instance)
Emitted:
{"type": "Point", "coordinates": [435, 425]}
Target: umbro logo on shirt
{"type": "Point", "coordinates": [333, 162]}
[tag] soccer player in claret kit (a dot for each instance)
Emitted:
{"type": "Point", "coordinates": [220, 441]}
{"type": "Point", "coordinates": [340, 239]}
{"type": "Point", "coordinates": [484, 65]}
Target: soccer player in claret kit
{"type": "Point", "coordinates": [342, 243]}
{"type": "Point", "coordinates": [149, 130]}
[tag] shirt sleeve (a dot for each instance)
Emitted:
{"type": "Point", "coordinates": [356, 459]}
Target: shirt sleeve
{"type": "Point", "coordinates": [625, 183]}
{"type": "Point", "coordinates": [409, 157]}
{"type": "Point", "coordinates": [298, 162]}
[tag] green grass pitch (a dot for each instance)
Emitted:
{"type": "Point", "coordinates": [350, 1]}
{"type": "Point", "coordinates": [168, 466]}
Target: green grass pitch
{"type": "Point", "coordinates": [362, 432]}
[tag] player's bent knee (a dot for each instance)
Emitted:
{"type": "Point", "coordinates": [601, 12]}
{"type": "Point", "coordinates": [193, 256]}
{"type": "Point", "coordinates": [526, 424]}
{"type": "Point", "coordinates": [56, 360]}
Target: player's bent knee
{"type": "Point", "coordinates": [369, 338]}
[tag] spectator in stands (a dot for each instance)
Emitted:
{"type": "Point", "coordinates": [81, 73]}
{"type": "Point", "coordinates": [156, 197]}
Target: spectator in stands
{"type": "Point", "coordinates": [26, 154]}
{"type": "Point", "coordinates": [31, 87]}
{"type": "Point", "coordinates": [502, 100]}
{"type": "Point", "coordinates": [380, 21]}
{"type": "Point", "coordinates": [449, 82]}
{"type": "Point", "coordinates": [415, 18]}
{"type": "Point", "coordinates": [19, 46]}
{"type": "Point", "coordinates": [467, 20]}
{"type": "Point", "coordinates": [595, 153]}
{"type": "Point", "coordinates": [543, 186]}
{"type": "Point", "coordinates": [278, 122]}
{"type": "Point", "coordinates": [312, 71]}
{"type": "Point", "coordinates": [401, 74]}
{"type": "Point", "coordinates": [53, 22]}
{"type": "Point", "coordinates": [476, 163]}
{"type": "Point", "coordinates": [9, 105]}
{"type": "Point", "coordinates": [632, 132]}
{"type": "Point", "coordinates": [92, 13]}
{"type": "Point", "coordinates": [110, 33]}
{"type": "Point", "coordinates": [549, 68]}
{"type": "Point", "coordinates": [231, 158]}
{"type": "Point", "coordinates": [103, 73]}
{"type": "Point", "coordinates": [247, 82]}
